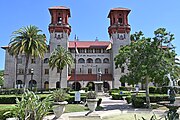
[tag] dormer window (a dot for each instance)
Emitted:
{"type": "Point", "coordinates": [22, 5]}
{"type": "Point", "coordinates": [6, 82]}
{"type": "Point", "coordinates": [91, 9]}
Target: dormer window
{"type": "Point", "coordinates": [59, 20]}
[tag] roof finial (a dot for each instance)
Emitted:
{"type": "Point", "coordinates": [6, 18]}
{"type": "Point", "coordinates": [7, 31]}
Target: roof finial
{"type": "Point", "coordinates": [75, 37]}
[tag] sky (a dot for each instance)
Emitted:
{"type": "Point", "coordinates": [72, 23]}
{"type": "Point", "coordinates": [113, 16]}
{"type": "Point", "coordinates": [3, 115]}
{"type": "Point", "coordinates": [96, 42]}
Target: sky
{"type": "Point", "coordinates": [89, 18]}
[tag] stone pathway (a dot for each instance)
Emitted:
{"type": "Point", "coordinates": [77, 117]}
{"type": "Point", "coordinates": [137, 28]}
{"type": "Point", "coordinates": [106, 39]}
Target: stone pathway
{"type": "Point", "coordinates": [111, 107]}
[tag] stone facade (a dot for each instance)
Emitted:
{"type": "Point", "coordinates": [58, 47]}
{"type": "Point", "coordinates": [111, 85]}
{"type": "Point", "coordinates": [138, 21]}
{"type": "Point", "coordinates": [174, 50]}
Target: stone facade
{"type": "Point", "coordinates": [94, 60]}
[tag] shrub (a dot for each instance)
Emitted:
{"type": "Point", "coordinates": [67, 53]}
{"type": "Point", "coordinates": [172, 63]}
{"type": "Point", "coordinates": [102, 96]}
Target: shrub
{"type": "Point", "coordinates": [152, 89]}
{"type": "Point", "coordinates": [137, 102]}
{"type": "Point", "coordinates": [120, 95]}
{"type": "Point", "coordinates": [7, 99]}
{"type": "Point", "coordinates": [128, 99]}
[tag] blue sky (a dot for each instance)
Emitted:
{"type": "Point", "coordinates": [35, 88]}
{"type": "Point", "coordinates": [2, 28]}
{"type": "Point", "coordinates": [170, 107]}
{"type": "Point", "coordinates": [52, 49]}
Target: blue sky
{"type": "Point", "coordinates": [89, 17]}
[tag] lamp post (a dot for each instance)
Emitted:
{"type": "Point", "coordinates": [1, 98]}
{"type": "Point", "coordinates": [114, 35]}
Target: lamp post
{"type": "Point", "coordinates": [32, 73]}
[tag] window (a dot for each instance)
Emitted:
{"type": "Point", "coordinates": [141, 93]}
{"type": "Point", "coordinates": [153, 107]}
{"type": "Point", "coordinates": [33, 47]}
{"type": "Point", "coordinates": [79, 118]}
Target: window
{"type": "Point", "coordinates": [46, 60]}
{"type": "Point", "coordinates": [105, 51]}
{"type": "Point", "coordinates": [106, 60]}
{"type": "Point", "coordinates": [122, 69]}
{"type": "Point", "coordinates": [89, 71]}
{"type": "Point", "coordinates": [60, 20]}
{"type": "Point", "coordinates": [81, 60]}
{"type": "Point", "coordinates": [89, 50]}
{"type": "Point", "coordinates": [106, 71]}
{"type": "Point", "coordinates": [21, 71]}
{"type": "Point", "coordinates": [97, 60]}
{"type": "Point", "coordinates": [46, 71]}
{"type": "Point", "coordinates": [72, 50]}
{"type": "Point", "coordinates": [80, 70]}
{"type": "Point", "coordinates": [81, 50]}
{"type": "Point", "coordinates": [19, 60]}
{"type": "Point", "coordinates": [89, 60]}
{"type": "Point", "coordinates": [97, 50]}
{"type": "Point", "coordinates": [33, 61]}
{"type": "Point", "coordinates": [120, 20]}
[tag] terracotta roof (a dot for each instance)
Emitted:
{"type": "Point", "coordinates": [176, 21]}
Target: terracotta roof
{"type": "Point", "coordinates": [89, 44]}
{"type": "Point", "coordinates": [59, 7]}
{"type": "Point", "coordinates": [118, 9]}
{"type": "Point", "coordinates": [90, 77]}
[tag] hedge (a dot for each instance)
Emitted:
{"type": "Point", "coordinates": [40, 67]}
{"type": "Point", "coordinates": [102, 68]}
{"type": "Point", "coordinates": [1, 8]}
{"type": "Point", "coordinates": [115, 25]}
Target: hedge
{"type": "Point", "coordinates": [119, 96]}
{"type": "Point", "coordinates": [153, 98]}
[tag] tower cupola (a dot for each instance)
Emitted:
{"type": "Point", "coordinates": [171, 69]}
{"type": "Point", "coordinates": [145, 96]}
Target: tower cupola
{"type": "Point", "coordinates": [59, 19]}
{"type": "Point", "coordinates": [119, 20]}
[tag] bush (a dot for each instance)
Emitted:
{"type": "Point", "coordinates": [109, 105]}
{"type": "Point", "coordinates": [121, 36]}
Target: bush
{"type": "Point", "coordinates": [137, 102]}
{"type": "Point", "coordinates": [128, 99]}
{"type": "Point", "coordinates": [152, 89]}
{"type": "Point", "coordinates": [118, 96]}
{"type": "Point", "coordinates": [8, 99]}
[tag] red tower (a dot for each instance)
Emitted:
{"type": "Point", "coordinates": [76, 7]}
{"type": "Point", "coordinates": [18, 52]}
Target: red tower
{"type": "Point", "coordinates": [59, 19]}
{"type": "Point", "coordinates": [119, 21]}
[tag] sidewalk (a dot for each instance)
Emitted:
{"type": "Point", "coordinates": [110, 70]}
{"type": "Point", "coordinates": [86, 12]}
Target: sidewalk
{"type": "Point", "coordinates": [111, 108]}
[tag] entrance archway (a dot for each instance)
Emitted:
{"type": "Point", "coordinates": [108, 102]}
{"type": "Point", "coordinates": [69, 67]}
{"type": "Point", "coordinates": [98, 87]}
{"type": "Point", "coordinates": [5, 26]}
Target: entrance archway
{"type": "Point", "coordinates": [32, 84]}
{"type": "Point", "coordinates": [19, 84]}
{"type": "Point", "coordinates": [76, 86]}
{"type": "Point", "coordinates": [91, 86]}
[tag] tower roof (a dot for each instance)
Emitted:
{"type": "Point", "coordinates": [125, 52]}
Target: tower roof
{"type": "Point", "coordinates": [118, 9]}
{"type": "Point", "coordinates": [60, 8]}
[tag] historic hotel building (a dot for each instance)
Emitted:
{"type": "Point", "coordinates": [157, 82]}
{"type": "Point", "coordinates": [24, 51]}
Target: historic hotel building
{"type": "Point", "coordinates": [94, 60]}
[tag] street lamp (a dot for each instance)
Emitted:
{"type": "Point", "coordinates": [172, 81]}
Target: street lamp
{"type": "Point", "coordinates": [32, 73]}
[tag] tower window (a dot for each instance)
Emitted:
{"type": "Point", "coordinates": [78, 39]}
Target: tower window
{"type": "Point", "coordinates": [120, 20]}
{"type": "Point", "coordinates": [60, 20]}
{"type": "Point", "coordinates": [33, 61]}
{"type": "Point", "coordinates": [106, 71]}
{"type": "Point", "coordinates": [122, 69]}
{"type": "Point", "coordinates": [46, 71]}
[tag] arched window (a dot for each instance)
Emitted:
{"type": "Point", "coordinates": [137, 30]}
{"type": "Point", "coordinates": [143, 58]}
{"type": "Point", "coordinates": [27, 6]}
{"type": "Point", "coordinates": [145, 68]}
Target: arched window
{"type": "Point", "coordinates": [89, 60]}
{"type": "Point", "coordinates": [19, 84]}
{"type": "Point", "coordinates": [76, 86]}
{"type": "Point", "coordinates": [32, 84]}
{"type": "Point", "coordinates": [58, 84]}
{"type": "Point", "coordinates": [81, 60]}
{"type": "Point", "coordinates": [46, 60]}
{"type": "Point", "coordinates": [97, 60]}
{"type": "Point", "coordinates": [106, 60]}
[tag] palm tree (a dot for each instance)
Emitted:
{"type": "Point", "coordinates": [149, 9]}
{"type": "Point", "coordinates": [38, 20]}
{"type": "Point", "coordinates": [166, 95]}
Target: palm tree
{"type": "Point", "coordinates": [29, 42]}
{"type": "Point", "coordinates": [60, 58]}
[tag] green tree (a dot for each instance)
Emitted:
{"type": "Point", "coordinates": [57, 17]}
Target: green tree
{"type": "Point", "coordinates": [29, 42]}
{"type": "Point", "coordinates": [1, 77]}
{"type": "Point", "coordinates": [148, 59]}
{"type": "Point", "coordinates": [60, 58]}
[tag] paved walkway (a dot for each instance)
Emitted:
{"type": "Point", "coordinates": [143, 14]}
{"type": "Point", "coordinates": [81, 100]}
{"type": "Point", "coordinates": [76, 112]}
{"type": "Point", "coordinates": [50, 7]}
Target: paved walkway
{"type": "Point", "coordinates": [111, 107]}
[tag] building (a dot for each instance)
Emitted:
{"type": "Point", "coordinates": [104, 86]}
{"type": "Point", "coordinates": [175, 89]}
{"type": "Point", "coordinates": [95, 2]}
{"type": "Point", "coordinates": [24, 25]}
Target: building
{"type": "Point", "coordinates": [94, 60]}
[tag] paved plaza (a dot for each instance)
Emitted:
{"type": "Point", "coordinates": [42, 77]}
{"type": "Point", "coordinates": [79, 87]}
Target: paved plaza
{"type": "Point", "coordinates": [111, 108]}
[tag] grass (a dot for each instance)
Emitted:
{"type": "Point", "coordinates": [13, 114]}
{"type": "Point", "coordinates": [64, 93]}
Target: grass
{"type": "Point", "coordinates": [7, 106]}
{"type": "Point", "coordinates": [75, 108]}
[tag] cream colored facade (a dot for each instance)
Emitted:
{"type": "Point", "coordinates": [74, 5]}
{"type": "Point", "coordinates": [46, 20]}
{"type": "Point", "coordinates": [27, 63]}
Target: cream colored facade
{"type": "Point", "coordinates": [94, 62]}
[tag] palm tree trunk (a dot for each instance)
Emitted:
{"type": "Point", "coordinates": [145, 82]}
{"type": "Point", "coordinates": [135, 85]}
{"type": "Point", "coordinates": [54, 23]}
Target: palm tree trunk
{"type": "Point", "coordinates": [60, 73]}
{"type": "Point", "coordinates": [25, 70]}
{"type": "Point", "coordinates": [147, 92]}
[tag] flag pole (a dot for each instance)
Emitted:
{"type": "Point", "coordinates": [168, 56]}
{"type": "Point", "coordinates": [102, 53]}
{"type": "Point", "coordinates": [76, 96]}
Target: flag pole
{"type": "Point", "coordinates": [75, 64]}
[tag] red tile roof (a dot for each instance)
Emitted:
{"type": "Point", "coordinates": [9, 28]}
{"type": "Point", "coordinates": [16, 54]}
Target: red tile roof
{"type": "Point", "coordinates": [118, 9]}
{"type": "Point", "coordinates": [89, 44]}
{"type": "Point", "coordinates": [90, 77]}
{"type": "Point", "coordinates": [59, 7]}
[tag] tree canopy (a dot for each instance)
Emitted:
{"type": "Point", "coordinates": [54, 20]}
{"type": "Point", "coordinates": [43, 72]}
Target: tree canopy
{"type": "Point", "coordinates": [148, 59]}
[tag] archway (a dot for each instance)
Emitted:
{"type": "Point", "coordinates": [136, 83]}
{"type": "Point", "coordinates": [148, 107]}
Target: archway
{"type": "Point", "coordinates": [32, 84]}
{"type": "Point", "coordinates": [46, 85]}
{"type": "Point", "coordinates": [76, 86]}
{"type": "Point", "coordinates": [19, 84]}
{"type": "Point", "coordinates": [91, 86]}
